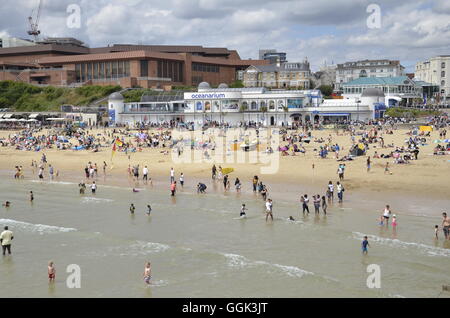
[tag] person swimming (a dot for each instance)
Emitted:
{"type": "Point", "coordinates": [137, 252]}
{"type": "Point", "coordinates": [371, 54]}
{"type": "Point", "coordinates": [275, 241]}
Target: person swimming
{"type": "Point", "coordinates": [135, 190]}
{"type": "Point", "coordinates": [291, 218]}
{"type": "Point", "coordinates": [7, 204]}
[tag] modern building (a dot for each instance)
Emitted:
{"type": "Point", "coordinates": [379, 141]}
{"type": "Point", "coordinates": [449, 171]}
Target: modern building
{"type": "Point", "coordinates": [7, 41]}
{"type": "Point", "coordinates": [350, 71]}
{"type": "Point", "coordinates": [397, 90]}
{"type": "Point", "coordinates": [274, 57]}
{"type": "Point", "coordinates": [65, 61]}
{"type": "Point", "coordinates": [240, 105]}
{"type": "Point", "coordinates": [437, 72]}
{"type": "Point", "coordinates": [288, 75]}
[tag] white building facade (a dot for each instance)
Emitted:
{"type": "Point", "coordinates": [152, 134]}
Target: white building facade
{"type": "Point", "coordinates": [437, 72]}
{"type": "Point", "coordinates": [350, 71]}
{"type": "Point", "coordinates": [236, 106]}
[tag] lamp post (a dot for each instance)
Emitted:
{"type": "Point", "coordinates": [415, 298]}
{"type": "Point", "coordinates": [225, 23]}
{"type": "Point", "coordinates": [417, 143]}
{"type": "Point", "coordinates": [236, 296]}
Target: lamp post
{"type": "Point", "coordinates": [358, 101]}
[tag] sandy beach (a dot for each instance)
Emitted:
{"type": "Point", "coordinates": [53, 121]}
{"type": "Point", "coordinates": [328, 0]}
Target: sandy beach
{"type": "Point", "coordinates": [428, 176]}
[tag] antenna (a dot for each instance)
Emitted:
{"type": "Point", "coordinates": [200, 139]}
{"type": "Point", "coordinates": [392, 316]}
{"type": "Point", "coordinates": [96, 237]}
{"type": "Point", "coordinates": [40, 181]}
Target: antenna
{"type": "Point", "coordinates": [34, 31]}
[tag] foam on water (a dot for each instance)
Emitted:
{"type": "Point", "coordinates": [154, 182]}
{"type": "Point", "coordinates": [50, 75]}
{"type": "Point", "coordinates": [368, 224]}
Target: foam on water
{"type": "Point", "coordinates": [34, 228]}
{"type": "Point", "coordinates": [240, 261]}
{"type": "Point", "coordinates": [95, 200]}
{"type": "Point", "coordinates": [429, 250]}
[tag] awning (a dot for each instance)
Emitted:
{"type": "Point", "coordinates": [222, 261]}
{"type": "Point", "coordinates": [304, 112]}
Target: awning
{"type": "Point", "coordinates": [7, 115]}
{"type": "Point", "coordinates": [335, 114]}
{"type": "Point", "coordinates": [295, 115]}
{"type": "Point", "coordinates": [59, 119]}
{"type": "Point", "coordinates": [33, 116]}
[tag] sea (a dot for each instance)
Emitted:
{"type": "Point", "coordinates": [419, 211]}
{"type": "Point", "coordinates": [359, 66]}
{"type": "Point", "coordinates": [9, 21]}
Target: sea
{"type": "Point", "coordinates": [199, 247]}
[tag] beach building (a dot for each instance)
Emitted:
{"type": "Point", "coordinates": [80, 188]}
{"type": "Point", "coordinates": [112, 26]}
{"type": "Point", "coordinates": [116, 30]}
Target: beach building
{"type": "Point", "coordinates": [350, 71]}
{"type": "Point", "coordinates": [437, 72]}
{"type": "Point", "coordinates": [244, 105]}
{"type": "Point", "coordinates": [67, 62]}
{"type": "Point", "coordinates": [397, 90]}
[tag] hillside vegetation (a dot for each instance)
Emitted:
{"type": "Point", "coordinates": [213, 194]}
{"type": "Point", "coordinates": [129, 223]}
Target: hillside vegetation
{"type": "Point", "coordinates": [25, 97]}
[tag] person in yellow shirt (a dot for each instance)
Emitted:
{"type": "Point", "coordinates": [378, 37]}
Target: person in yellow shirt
{"type": "Point", "coordinates": [5, 238]}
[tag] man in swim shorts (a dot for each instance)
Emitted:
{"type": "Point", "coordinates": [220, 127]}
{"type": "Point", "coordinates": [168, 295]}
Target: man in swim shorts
{"type": "Point", "coordinates": [147, 273]}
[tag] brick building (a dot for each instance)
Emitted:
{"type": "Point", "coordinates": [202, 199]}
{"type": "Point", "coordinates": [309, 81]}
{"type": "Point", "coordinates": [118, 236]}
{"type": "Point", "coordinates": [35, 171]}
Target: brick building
{"type": "Point", "coordinates": [121, 64]}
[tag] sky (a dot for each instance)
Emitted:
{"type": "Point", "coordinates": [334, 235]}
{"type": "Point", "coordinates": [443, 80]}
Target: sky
{"type": "Point", "coordinates": [324, 31]}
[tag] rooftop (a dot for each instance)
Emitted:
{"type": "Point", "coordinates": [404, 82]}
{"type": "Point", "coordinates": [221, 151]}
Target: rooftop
{"type": "Point", "coordinates": [397, 80]}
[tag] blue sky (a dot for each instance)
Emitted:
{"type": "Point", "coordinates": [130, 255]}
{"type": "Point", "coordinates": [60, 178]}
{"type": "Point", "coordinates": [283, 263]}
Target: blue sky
{"type": "Point", "coordinates": [322, 30]}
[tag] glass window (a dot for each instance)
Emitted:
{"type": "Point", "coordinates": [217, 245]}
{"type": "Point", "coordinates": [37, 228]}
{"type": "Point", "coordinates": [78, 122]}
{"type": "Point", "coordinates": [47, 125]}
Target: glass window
{"type": "Point", "coordinates": [95, 75]}
{"type": "Point", "coordinates": [442, 83]}
{"type": "Point", "coordinates": [78, 72]}
{"type": "Point", "coordinates": [443, 65]}
{"type": "Point", "coordinates": [254, 105]}
{"type": "Point", "coordinates": [89, 71]}
{"type": "Point", "coordinates": [101, 73]}
{"type": "Point", "coordinates": [127, 68]}
{"type": "Point", "coordinates": [108, 69]}
{"type": "Point", "coordinates": [114, 69]}
{"type": "Point", "coordinates": [120, 69]}
{"type": "Point", "coordinates": [144, 68]}
{"type": "Point", "coordinates": [271, 105]}
{"type": "Point", "coordinates": [443, 74]}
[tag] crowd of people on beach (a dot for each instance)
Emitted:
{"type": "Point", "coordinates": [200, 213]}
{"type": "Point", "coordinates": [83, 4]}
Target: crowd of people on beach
{"type": "Point", "coordinates": [294, 142]}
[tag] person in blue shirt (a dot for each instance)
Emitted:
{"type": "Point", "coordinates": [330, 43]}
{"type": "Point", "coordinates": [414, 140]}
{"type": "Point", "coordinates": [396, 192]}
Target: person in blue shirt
{"type": "Point", "coordinates": [364, 245]}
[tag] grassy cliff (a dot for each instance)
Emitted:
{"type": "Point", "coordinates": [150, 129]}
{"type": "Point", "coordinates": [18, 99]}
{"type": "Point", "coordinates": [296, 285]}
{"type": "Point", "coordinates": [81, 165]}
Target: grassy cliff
{"type": "Point", "coordinates": [25, 97]}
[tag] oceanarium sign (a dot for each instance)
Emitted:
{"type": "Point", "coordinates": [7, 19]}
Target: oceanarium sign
{"type": "Point", "coordinates": [225, 95]}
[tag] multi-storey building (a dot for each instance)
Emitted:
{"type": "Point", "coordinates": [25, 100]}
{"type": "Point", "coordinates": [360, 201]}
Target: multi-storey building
{"type": "Point", "coordinates": [68, 62]}
{"type": "Point", "coordinates": [437, 72]}
{"type": "Point", "coordinates": [287, 75]}
{"type": "Point", "coordinates": [350, 71]}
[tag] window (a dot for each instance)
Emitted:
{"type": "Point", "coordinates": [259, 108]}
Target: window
{"type": "Point", "coordinates": [443, 74]}
{"type": "Point", "coordinates": [443, 65]}
{"type": "Point", "coordinates": [144, 68]}
{"type": "Point", "coordinates": [442, 83]}
{"type": "Point", "coordinates": [271, 105]}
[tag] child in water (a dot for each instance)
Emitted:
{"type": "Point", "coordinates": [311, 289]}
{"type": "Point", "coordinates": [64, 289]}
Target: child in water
{"type": "Point", "coordinates": [381, 223]}
{"type": "Point", "coordinates": [394, 222]}
{"type": "Point", "coordinates": [436, 231]}
{"type": "Point", "coordinates": [132, 208]}
{"type": "Point", "coordinates": [147, 273]}
{"type": "Point", "coordinates": [149, 209]}
{"type": "Point", "coordinates": [364, 245]}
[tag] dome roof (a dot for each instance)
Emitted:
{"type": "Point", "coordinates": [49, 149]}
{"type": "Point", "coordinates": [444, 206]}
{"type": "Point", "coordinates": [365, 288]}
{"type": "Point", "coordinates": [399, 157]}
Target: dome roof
{"type": "Point", "coordinates": [222, 85]}
{"type": "Point", "coordinates": [204, 85]}
{"type": "Point", "coordinates": [116, 96]}
{"type": "Point", "coordinates": [372, 92]}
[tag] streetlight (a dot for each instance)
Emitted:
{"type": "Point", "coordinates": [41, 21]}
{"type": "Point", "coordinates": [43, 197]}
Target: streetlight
{"type": "Point", "coordinates": [358, 101]}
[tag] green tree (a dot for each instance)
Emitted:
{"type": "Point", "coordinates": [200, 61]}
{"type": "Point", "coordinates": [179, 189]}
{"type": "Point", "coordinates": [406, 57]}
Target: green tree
{"type": "Point", "coordinates": [236, 84]}
{"type": "Point", "coordinates": [326, 90]}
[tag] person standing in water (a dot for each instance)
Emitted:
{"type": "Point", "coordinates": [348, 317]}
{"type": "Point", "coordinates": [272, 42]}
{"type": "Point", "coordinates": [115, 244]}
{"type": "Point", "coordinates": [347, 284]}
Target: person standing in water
{"type": "Point", "coordinates": [243, 209]}
{"type": "Point", "coordinates": [446, 225]}
{"type": "Point", "coordinates": [324, 205]}
{"type": "Point", "coordinates": [5, 239]}
{"type": "Point", "coordinates": [147, 273]}
{"type": "Point", "coordinates": [316, 201]}
{"type": "Point", "coordinates": [304, 200]}
{"type": "Point", "coordinates": [93, 187]}
{"type": "Point", "coordinates": [172, 175]}
{"type": "Point", "coordinates": [386, 214]}
{"type": "Point", "coordinates": [132, 208]}
{"type": "Point", "coordinates": [51, 271]}
{"type": "Point", "coordinates": [340, 191]}
{"type": "Point", "coordinates": [331, 191]}
{"type": "Point", "coordinates": [149, 209]}
{"type": "Point", "coordinates": [182, 180]}
{"type": "Point", "coordinates": [364, 245]}
{"type": "Point", "coordinates": [173, 188]}
{"type": "Point", "coordinates": [269, 207]}
{"type": "Point", "coordinates": [31, 197]}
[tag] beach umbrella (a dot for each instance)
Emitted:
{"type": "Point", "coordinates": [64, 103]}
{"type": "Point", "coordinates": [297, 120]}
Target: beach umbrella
{"type": "Point", "coordinates": [447, 140]}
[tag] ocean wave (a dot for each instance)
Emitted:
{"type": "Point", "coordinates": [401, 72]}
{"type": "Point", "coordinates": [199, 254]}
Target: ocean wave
{"type": "Point", "coordinates": [95, 200]}
{"type": "Point", "coordinates": [429, 250]}
{"type": "Point", "coordinates": [240, 261]}
{"type": "Point", "coordinates": [137, 248]}
{"type": "Point", "coordinates": [54, 182]}
{"type": "Point", "coordinates": [35, 228]}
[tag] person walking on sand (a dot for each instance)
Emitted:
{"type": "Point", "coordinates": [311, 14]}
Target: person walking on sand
{"type": "Point", "coordinates": [213, 172]}
{"type": "Point", "coordinates": [5, 239]}
{"type": "Point", "coordinates": [386, 169]}
{"type": "Point", "coordinates": [145, 174]}
{"type": "Point", "coordinates": [368, 163]}
{"type": "Point", "coordinates": [147, 273]}
{"type": "Point", "coordinates": [51, 271]}
{"type": "Point", "coordinates": [364, 245]}
{"type": "Point", "coordinates": [173, 188]}
{"type": "Point", "coordinates": [446, 226]}
{"type": "Point", "coordinates": [104, 168]}
{"type": "Point", "coordinates": [269, 207]}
